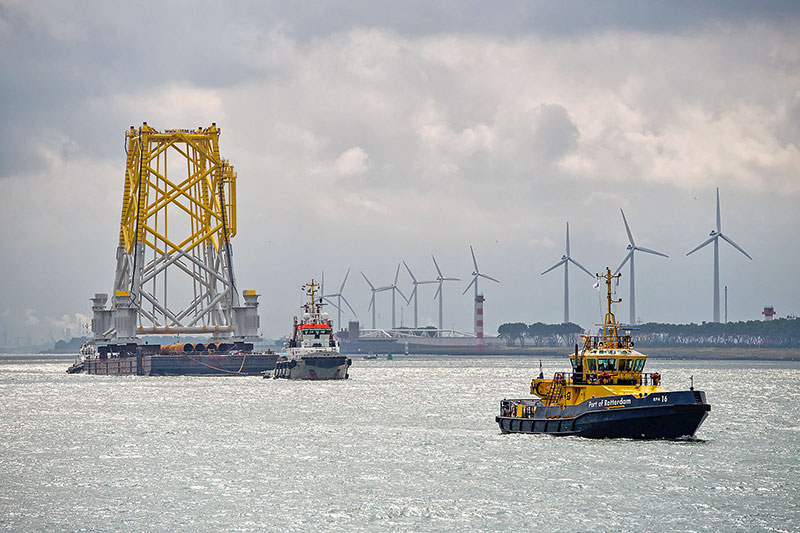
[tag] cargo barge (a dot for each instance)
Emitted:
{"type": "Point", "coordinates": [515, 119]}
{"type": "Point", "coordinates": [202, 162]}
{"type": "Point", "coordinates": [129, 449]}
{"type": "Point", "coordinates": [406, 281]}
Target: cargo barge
{"type": "Point", "coordinates": [186, 359]}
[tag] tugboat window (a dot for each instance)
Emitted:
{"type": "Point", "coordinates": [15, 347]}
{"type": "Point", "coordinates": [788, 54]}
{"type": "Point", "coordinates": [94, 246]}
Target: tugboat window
{"type": "Point", "coordinates": [592, 364]}
{"type": "Point", "coordinates": [639, 365]}
{"type": "Point", "coordinates": [606, 364]}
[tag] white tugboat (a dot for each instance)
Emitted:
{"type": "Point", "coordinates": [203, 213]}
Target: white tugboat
{"type": "Point", "coordinates": [313, 351]}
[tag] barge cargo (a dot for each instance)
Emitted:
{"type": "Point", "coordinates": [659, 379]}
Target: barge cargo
{"type": "Point", "coordinates": [182, 365]}
{"type": "Point", "coordinates": [185, 359]}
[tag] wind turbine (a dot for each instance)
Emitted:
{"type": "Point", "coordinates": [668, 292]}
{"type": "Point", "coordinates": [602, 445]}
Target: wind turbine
{"type": "Point", "coordinates": [340, 298]}
{"type": "Point", "coordinates": [322, 291]}
{"type": "Point", "coordinates": [394, 288]}
{"type": "Point", "coordinates": [631, 249]}
{"type": "Point", "coordinates": [440, 279]}
{"type": "Point", "coordinates": [714, 236]}
{"type": "Point", "coordinates": [566, 260]}
{"type": "Point", "coordinates": [414, 291]}
{"type": "Point", "coordinates": [475, 275]}
{"type": "Point", "coordinates": [372, 300]}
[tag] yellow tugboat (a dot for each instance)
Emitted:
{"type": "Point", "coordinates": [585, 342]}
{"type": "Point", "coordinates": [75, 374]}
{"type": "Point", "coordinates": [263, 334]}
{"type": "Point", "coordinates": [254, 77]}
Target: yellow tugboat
{"type": "Point", "coordinates": [607, 394]}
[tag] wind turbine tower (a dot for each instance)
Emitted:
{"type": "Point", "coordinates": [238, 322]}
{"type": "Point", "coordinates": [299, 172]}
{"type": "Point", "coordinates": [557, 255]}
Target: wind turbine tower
{"type": "Point", "coordinates": [479, 299]}
{"type": "Point", "coordinates": [714, 237]}
{"type": "Point", "coordinates": [372, 300]}
{"type": "Point", "coordinates": [414, 291]}
{"type": "Point", "coordinates": [631, 249]}
{"type": "Point", "coordinates": [394, 288]}
{"type": "Point", "coordinates": [440, 278]}
{"type": "Point", "coordinates": [566, 259]}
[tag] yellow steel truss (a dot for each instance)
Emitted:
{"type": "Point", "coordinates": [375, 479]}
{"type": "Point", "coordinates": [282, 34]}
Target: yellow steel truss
{"type": "Point", "coordinates": [206, 191]}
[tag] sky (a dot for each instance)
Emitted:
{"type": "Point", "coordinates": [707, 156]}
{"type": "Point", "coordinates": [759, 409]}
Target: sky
{"type": "Point", "coordinates": [392, 131]}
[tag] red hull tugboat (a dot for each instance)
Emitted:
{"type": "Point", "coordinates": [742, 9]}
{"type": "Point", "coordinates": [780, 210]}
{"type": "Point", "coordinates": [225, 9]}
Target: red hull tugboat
{"type": "Point", "coordinates": [313, 352]}
{"type": "Point", "coordinates": [607, 394]}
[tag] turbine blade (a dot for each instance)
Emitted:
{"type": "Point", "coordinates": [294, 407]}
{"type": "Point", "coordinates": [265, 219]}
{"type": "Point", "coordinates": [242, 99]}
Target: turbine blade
{"type": "Point", "coordinates": [413, 293]}
{"type": "Point", "coordinates": [489, 277]}
{"type": "Point", "coordinates": [409, 272]}
{"type": "Point", "coordinates": [371, 302]}
{"type": "Point", "coordinates": [403, 295]}
{"type": "Point", "coordinates": [649, 251]}
{"type": "Point", "coordinates": [397, 273]}
{"type": "Point", "coordinates": [349, 306]}
{"type": "Point", "coordinates": [627, 228]}
{"type": "Point", "coordinates": [627, 256]}
{"type": "Point", "coordinates": [437, 266]}
{"type": "Point", "coordinates": [451, 279]}
{"type": "Point", "coordinates": [735, 245]}
{"type": "Point", "coordinates": [471, 283]}
{"type": "Point", "coordinates": [330, 302]}
{"type": "Point", "coordinates": [567, 239]}
{"type": "Point", "coordinates": [554, 266]}
{"type": "Point", "coordinates": [438, 291]}
{"type": "Point", "coordinates": [571, 260]}
{"type": "Point", "coordinates": [719, 226]}
{"type": "Point", "coordinates": [345, 280]}
{"type": "Point", "coordinates": [703, 244]}
{"type": "Point", "coordinates": [474, 262]}
{"type": "Point", "coordinates": [371, 286]}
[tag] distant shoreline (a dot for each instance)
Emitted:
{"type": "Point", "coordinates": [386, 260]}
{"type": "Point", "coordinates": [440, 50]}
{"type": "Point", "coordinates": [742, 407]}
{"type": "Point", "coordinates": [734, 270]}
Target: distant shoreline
{"type": "Point", "coordinates": [683, 352]}
{"type": "Point", "coordinates": [680, 352]}
{"type": "Point", "coordinates": [687, 353]}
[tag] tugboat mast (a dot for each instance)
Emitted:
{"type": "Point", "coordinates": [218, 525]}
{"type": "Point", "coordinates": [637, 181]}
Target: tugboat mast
{"type": "Point", "coordinates": [609, 337]}
{"type": "Point", "coordinates": [311, 290]}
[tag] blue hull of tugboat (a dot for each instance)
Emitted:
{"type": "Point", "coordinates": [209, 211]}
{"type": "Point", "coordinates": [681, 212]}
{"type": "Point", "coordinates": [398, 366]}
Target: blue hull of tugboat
{"type": "Point", "coordinates": [659, 416]}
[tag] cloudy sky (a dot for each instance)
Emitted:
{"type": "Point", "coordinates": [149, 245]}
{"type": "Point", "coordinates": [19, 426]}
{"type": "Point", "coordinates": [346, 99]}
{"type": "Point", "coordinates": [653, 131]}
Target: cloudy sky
{"type": "Point", "coordinates": [392, 131]}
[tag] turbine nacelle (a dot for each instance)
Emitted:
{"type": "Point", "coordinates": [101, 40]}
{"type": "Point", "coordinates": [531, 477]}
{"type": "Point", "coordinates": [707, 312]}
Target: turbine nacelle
{"type": "Point", "coordinates": [440, 278]}
{"type": "Point", "coordinates": [565, 260]}
{"type": "Point", "coordinates": [341, 298]}
{"type": "Point", "coordinates": [476, 274]}
{"type": "Point", "coordinates": [714, 237]}
{"type": "Point", "coordinates": [629, 257]}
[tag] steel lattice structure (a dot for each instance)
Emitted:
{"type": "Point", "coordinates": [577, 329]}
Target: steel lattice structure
{"type": "Point", "coordinates": [178, 218]}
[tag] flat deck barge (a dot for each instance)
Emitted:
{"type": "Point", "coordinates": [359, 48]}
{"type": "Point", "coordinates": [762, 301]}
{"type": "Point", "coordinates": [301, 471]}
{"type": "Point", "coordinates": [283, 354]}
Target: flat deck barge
{"type": "Point", "coordinates": [182, 365]}
{"type": "Point", "coordinates": [212, 359]}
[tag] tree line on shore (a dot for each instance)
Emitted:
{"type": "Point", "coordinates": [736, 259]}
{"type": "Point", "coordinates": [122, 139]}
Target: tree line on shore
{"type": "Point", "coordinates": [540, 334]}
{"type": "Point", "coordinates": [778, 333]}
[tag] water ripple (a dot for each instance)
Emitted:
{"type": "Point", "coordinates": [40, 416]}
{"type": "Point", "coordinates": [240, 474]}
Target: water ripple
{"type": "Point", "coordinates": [409, 444]}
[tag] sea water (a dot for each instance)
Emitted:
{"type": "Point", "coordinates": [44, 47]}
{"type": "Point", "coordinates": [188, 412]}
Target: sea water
{"type": "Point", "coordinates": [404, 445]}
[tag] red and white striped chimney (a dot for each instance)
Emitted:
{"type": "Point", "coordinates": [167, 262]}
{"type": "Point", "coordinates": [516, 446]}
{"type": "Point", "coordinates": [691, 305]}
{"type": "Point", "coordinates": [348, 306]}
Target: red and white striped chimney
{"type": "Point", "coordinates": [479, 320]}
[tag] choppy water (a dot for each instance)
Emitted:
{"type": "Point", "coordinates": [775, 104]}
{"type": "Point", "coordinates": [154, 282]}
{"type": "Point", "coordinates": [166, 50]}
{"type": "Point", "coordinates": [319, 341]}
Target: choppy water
{"type": "Point", "coordinates": [409, 444]}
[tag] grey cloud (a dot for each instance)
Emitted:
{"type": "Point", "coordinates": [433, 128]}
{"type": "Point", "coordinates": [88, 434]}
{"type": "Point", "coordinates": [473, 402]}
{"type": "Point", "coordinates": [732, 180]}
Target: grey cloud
{"type": "Point", "coordinates": [555, 133]}
{"type": "Point", "coordinates": [474, 125]}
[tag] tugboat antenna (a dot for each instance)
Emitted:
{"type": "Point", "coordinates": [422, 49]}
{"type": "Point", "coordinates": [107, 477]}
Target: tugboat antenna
{"type": "Point", "coordinates": [311, 290]}
{"type": "Point", "coordinates": [610, 325]}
